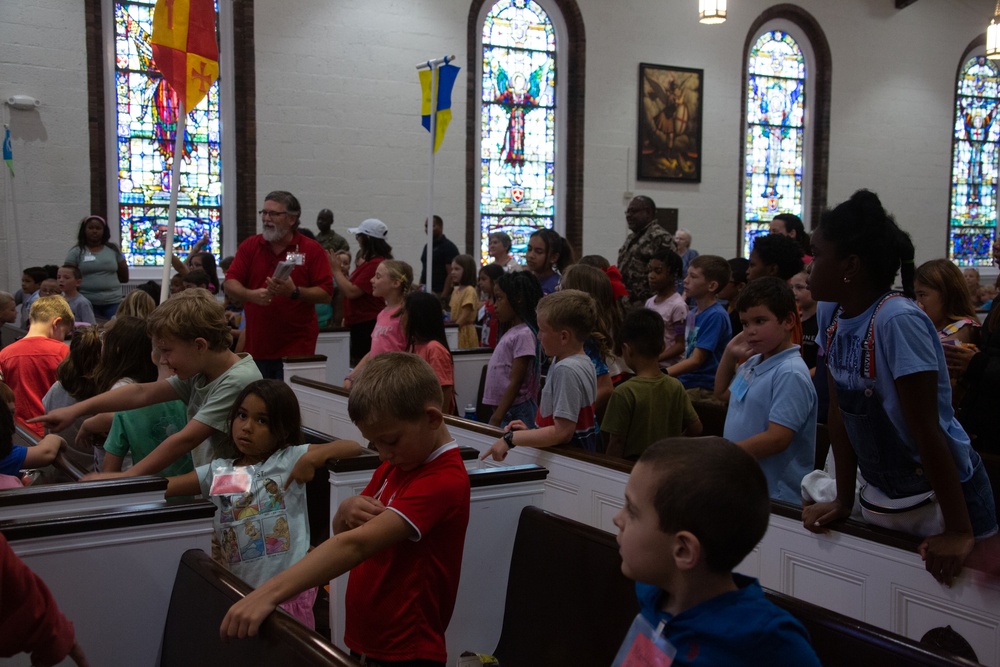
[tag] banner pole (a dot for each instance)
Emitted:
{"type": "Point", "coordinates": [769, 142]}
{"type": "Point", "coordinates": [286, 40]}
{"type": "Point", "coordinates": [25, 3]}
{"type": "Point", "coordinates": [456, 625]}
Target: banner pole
{"type": "Point", "coordinates": [175, 184]}
{"type": "Point", "coordinates": [429, 287]}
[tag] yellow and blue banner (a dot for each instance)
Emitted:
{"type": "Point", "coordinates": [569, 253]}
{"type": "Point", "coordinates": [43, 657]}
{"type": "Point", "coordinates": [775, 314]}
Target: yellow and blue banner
{"type": "Point", "coordinates": [446, 81]}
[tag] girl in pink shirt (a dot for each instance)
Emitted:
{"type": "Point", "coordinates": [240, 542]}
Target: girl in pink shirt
{"type": "Point", "coordinates": [392, 281]}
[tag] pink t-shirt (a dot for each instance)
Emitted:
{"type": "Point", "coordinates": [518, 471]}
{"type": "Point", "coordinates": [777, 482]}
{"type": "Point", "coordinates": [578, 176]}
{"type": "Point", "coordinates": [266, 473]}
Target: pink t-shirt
{"type": "Point", "coordinates": [674, 312]}
{"type": "Point", "coordinates": [388, 335]}
{"type": "Point", "coordinates": [518, 341]}
{"type": "Point", "coordinates": [438, 356]}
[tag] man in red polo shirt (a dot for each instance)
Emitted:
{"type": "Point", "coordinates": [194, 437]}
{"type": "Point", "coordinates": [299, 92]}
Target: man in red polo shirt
{"type": "Point", "coordinates": [280, 313]}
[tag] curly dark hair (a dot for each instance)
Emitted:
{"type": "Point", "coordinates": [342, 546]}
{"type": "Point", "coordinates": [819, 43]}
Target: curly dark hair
{"type": "Point", "coordinates": [780, 251]}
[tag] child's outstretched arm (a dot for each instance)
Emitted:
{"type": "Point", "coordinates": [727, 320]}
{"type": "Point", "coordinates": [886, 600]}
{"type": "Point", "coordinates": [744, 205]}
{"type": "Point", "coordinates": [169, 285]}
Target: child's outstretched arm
{"type": "Point", "coordinates": [168, 451]}
{"type": "Point", "coordinates": [329, 560]}
{"type": "Point", "coordinates": [305, 468]}
{"type": "Point", "coordinates": [547, 436]}
{"type": "Point", "coordinates": [943, 554]}
{"type": "Point", "coordinates": [816, 516]}
{"type": "Point", "coordinates": [182, 485]}
{"type": "Point", "coordinates": [44, 453]}
{"type": "Point", "coordinates": [123, 398]}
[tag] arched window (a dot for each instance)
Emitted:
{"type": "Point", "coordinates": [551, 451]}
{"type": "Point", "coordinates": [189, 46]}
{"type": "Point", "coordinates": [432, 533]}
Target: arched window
{"type": "Point", "coordinates": [786, 120]}
{"type": "Point", "coordinates": [973, 202]}
{"type": "Point", "coordinates": [525, 98]}
{"type": "Point", "coordinates": [146, 120]}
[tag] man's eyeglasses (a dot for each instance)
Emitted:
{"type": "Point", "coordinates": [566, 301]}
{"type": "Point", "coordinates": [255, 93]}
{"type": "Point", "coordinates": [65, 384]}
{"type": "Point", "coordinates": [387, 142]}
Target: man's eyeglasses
{"type": "Point", "coordinates": [264, 213]}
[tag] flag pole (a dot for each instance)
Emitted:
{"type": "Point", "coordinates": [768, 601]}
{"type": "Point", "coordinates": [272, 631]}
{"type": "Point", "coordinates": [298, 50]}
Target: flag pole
{"type": "Point", "coordinates": [175, 178]}
{"type": "Point", "coordinates": [433, 66]}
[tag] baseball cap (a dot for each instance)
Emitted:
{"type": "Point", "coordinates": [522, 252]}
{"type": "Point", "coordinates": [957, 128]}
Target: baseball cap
{"type": "Point", "coordinates": [371, 227]}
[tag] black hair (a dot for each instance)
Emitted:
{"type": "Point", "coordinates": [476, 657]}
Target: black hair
{"type": "Point", "coordinates": [51, 271]}
{"type": "Point", "coordinates": [198, 278]}
{"type": "Point", "coordinates": [860, 226]}
{"type": "Point", "coordinates": [648, 201]}
{"type": "Point", "coordinates": [773, 293]}
{"type": "Point", "coordinates": [596, 261]}
{"type": "Point", "coordinates": [75, 372]}
{"type": "Point", "coordinates": [671, 260]}
{"type": "Point", "coordinates": [127, 353]}
{"type": "Point", "coordinates": [793, 223]}
{"type": "Point", "coordinates": [780, 251]}
{"type": "Point", "coordinates": [643, 331]}
{"type": "Point", "coordinates": [713, 489]}
{"type": "Point", "coordinates": [81, 235]}
{"type": "Point", "coordinates": [6, 430]}
{"type": "Point", "coordinates": [284, 418]}
{"type": "Point", "coordinates": [152, 288]}
{"type": "Point", "coordinates": [371, 247]}
{"type": "Point", "coordinates": [424, 320]}
{"type": "Point", "coordinates": [36, 273]}
{"type": "Point", "coordinates": [554, 243]}
{"type": "Point", "coordinates": [308, 233]}
{"type": "Point", "coordinates": [493, 271]}
{"type": "Point", "coordinates": [523, 292]}
{"type": "Point", "coordinates": [738, 269]}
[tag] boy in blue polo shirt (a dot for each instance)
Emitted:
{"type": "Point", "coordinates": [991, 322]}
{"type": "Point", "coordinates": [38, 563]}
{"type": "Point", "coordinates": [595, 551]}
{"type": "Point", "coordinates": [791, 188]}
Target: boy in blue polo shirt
{"type": "Point", "coordinates": [772, 401]}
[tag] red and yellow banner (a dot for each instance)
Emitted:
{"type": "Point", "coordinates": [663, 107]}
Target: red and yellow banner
{"type": "Point", "coordinates": [185, 49]}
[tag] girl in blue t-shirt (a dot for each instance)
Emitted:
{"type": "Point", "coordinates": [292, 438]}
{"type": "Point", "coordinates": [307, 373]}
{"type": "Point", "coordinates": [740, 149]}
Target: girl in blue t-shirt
{"type": "Point", "coordinates": [547, 256]}
{"type": "Point", "coordinates": [890, 415]}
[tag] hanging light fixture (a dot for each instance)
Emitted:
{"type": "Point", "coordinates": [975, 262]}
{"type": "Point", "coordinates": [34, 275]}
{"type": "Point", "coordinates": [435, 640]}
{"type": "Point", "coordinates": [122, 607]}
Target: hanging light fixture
{"type": "Point", "coordinates": [993, 35]}
{"type": "Point", "coordinates": [714, 11]}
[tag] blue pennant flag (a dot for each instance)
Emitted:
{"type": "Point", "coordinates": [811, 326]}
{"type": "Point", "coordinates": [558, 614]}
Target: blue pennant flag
{"type": "Point", "coordinates": [8, 154]}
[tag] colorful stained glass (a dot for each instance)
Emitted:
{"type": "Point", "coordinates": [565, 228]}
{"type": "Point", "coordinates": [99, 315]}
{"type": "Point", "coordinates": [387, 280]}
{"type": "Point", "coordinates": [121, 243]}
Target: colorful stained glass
{"type": "Point", "coordinates": [517, 177]}
{"type": "Point", "coordinates": [973, 220]}
{"type": "Point", "coordinates": [775, 132]}
{"type": "Point", "coordinates": [146, 128]}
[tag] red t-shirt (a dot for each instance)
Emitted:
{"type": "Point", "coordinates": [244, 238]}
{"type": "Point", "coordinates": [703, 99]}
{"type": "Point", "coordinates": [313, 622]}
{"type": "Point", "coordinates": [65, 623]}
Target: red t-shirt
{"type": "Point", "coordinates": [366, 307]}
{"type": "Point", "coordinates": [287, 327]}
{"type": "Point", "coordinates": [28, 367]}
{"type": "Point", "coordinates": [399, 602]}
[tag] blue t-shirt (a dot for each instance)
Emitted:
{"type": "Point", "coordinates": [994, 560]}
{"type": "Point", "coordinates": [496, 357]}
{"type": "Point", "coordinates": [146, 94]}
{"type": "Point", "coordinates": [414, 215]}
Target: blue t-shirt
{"type": "Point", "coordinates": [777, 390]}
{"type": "Point", "coordinates": [550, 284]}
{"type": "Point", "coordinates": [905, 343]}
{"type": "Point", "coordinates": [11, 464]}
{"type": "Point", "coordinates": [740, 627]}
{"type": "Point", "coordinates": [708, 330]}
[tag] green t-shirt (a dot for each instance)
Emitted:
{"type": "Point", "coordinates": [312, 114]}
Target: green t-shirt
{"type": "Point", "coordinates": [645, 410]}
{"type": "Point", "coordinates": [140, 431]}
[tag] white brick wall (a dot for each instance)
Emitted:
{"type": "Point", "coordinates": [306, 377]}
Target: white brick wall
{"type": "Point", "coordinates": [338, 100]}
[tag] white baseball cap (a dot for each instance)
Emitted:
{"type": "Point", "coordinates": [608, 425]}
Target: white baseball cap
{"type": "Point", "coordinates": [371, 227]}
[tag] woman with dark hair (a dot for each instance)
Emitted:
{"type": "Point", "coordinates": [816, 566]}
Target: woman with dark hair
{"type": "Point", "coordinates": [102, 264]}
{"type": "Point", "coordinates": [788, 224]}
{"type": "Point", "coordinates": [361, 307]}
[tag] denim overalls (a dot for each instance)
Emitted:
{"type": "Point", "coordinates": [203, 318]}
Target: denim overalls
{"type": "Point", "coordinates": [884, 459]}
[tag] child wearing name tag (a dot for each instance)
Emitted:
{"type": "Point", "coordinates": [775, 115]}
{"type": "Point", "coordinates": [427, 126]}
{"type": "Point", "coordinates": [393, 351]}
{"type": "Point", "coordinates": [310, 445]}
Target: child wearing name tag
{"type": "Point", "coordinates": [261, 520]}
{"type": "Point", "coordinates": [772, 401]}
{"type": "Point", "coordinates": [694, 508]}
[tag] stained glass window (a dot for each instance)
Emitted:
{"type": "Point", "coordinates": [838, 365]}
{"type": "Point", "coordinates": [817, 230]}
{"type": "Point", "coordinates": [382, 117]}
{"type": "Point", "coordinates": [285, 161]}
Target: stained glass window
{"type": "Point", "coordinates": [775, 129]}
{"type": "Point", "coordinates": [517, 177]}
{"type": "Point", "coordinates": [973, 219]}
{"type": "Point", "coordinates": [146, 128]}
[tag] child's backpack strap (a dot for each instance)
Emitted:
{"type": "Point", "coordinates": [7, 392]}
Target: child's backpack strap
{"type": "Point", "coordinates": [868, 345]}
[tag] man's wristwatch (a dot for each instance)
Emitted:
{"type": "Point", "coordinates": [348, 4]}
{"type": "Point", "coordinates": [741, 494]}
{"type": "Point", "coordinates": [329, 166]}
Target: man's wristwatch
{"type": "Point", "coordinates": [296, 293]}
{"type": "Point", "coordinates": [508, 437]}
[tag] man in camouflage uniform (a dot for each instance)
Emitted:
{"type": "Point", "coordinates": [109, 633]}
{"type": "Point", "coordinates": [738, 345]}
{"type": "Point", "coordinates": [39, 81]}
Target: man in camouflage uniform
{"type": "Point", "coordinates": [645, 238]}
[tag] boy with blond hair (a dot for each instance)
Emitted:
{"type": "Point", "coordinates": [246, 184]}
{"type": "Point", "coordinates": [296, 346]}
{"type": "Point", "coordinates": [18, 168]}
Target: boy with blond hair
{"type": "Point", "coordinates": [566, 413]}
{"type": "Point", "coordinates": [193, 338]}
{"type": "Point", "coordinates": [29, 365]}
{"type": "Point", "coordinates": [708, 329]}
{"type": "Point", "coordinates": [694, 508]}
{"type": "Point", "coordinates": [69, 278]}
{"type": "Point", "coordinates": [402, 538]}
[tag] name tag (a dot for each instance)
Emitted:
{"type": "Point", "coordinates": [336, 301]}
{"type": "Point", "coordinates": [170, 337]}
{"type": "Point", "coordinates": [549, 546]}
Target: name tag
{"type": "Point", "coordinates": [645, 646]}
{"type": "Point", "coordinates": [89, 257]}
{"type": "Point", "coordinates": [740, 386]}
{"type": "Point", "coordinates": [297, 258]}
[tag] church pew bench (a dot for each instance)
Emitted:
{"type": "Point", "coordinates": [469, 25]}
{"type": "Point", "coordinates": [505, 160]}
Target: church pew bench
{"type": "Point", "coordinates": [864, 572]}
{"type": "Point", "coordinates": [111, 570]}
{"type": "Point", "coordinates": [586, 621]}
{"type": "Point", "coordinates": [335, 345]}
{"type": "Point", "coordinates": [469, 365]}
{"type": "Point", "coordinates": [311, 366]}
{"type": "Point", "coordinates": [202, 593]}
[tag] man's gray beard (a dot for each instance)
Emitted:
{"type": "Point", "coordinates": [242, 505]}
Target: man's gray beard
{"type": "Point", "coordinates": [272, 235]}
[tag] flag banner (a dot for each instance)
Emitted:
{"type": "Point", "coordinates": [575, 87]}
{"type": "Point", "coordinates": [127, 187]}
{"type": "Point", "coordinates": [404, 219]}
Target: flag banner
{"type": "Point", "coordinates": [185, 49]}
{"type": "Point", "coordinates": [446, 80]}
{"type": "Point", "coordinates": [8, 153]}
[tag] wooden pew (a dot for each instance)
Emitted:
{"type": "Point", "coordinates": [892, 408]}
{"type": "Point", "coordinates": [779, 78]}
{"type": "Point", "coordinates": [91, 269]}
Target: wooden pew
{"type": "Point", "coordinates": [335, 345]}
{"type": "Point", "coordinates": [111, 570]}
{"type": "Point", "coordinates": [585, 622]}
{"type": "Point", "coordinates": [202, 593]}
{"type": "Point", "coordinates": [469, 366]}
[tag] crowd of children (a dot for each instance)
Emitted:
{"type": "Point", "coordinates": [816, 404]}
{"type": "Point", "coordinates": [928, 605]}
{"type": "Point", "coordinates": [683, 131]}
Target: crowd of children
{"type": "Point", "coordinates": [806, 329]}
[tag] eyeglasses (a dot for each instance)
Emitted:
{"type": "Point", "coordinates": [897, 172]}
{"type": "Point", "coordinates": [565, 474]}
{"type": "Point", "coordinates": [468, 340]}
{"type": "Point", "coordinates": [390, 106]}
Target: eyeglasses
{"type": "Point", "coordinates": [264, 213]}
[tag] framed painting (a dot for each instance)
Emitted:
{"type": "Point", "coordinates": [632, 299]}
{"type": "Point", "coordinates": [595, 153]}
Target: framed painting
{"type": "Point", "coordinates": [669, 137]}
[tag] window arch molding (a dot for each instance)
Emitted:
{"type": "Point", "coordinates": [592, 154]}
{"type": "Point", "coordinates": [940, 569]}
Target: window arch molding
{"type": "Point", "coordinates": [806, 31]}
{"type": "Point", "coordinates": [978, 254]}
{"type": "Point", "coordinates": [571, 70]}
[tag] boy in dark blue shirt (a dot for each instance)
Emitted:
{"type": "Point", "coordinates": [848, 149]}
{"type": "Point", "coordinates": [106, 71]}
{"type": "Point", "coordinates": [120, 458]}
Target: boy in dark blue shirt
{"type": "Point", "coordinates": [694, 508]}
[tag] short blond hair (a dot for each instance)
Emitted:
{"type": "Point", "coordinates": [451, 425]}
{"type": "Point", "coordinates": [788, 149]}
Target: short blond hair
{"type": "Point", "coordinates": [570, 310]}
{"type": "Point", "coordinates": [48, 308]}
{"type": "Point", "coordinates": [189, 315]}
{"type": "Point", "coordinates": [393, 385]}
{"type": "Point", "coordinates": [137, 304]}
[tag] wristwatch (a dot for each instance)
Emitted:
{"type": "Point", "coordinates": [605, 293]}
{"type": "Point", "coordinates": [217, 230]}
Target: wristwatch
{"type": "Point", "coordinates": [508, 437]}
{"type": "Point", "coordinates": [296, 293]}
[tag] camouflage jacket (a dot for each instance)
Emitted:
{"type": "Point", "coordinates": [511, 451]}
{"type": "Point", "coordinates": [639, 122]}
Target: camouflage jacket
{"type": "Point", "coordinates": [633, 258]}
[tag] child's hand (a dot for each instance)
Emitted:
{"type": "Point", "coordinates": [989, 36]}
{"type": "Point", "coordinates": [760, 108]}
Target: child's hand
{"type": "Point", "coordinates": [945, 554]}
{"type": "Point", "coordinates": [738, 347]}
{"type": "Point", "coordinates": [244, 618]}
{"type": "Point", "coordinates": [516, 425]}
{"type": "Point", "coordinates": [302, 472]}
{"type": "Point", "coordinates": [358, 510]}
{"type": "Point", "coordinates": [816, 517]}
{"type": "Point", "coordinates": [58, 420]}
{"type": "Point", "coordinates": [498, 450]}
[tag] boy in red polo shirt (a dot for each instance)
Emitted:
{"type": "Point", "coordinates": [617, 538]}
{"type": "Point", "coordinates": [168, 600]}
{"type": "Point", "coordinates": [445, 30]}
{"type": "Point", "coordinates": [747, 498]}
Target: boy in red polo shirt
{"type": "Point", "coordinates": [402, 538]}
